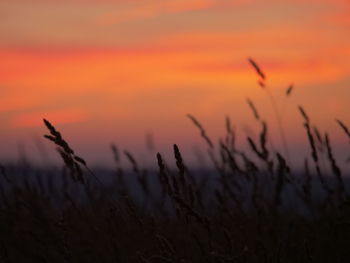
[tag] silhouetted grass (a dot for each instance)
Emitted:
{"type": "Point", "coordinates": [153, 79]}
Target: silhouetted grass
{"type": "Point", "coordinates": [252, 207]}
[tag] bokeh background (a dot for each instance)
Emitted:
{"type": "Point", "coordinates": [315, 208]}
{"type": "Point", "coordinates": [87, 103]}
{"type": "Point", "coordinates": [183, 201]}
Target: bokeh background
{"type": "Point", "coordinates": [123, 71]}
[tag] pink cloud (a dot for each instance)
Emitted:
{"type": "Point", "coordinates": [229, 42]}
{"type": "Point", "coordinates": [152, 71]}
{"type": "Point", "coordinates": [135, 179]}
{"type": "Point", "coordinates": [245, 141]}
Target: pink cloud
{"type": "Point", "coordinates": [152, 9]}
{"type": "Point", "coordinates": [17, 102]}
{"type": "Point", "coordinates": [58, 117]}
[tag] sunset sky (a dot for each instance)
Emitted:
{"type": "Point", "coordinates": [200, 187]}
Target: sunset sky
{"type": "Point", "coordinates": [107, 71]}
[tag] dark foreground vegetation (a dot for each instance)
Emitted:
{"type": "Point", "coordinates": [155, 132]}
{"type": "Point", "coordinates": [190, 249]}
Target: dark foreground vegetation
{"type": "Point", "coordinates": [252, 207]}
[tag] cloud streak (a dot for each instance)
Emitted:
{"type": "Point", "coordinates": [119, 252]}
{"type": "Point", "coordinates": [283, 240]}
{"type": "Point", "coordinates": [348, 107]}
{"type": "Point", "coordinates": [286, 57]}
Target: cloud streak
{"type": "Point", "coordinates": [34, 119]}
{"type": "Point", "coordinates": [153, 9]}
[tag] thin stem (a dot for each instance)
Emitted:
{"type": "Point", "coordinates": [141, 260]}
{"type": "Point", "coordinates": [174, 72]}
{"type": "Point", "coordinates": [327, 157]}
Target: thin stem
{"type": "Point", "coordinates": [279, 123]}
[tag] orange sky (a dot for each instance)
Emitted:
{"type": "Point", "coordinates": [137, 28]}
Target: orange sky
{"type": "Point", "coordinates": [105, 70]}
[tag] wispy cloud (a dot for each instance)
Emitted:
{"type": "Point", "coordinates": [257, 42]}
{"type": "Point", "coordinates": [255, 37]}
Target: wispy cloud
{"type": "Point", "coordinates": [63, 116]}
{"type": "Point", "coordinates": [153, 9]}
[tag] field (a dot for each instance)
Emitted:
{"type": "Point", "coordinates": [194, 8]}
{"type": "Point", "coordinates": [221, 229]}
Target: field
{"type": "Point", "coordinates": [251, 207]}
